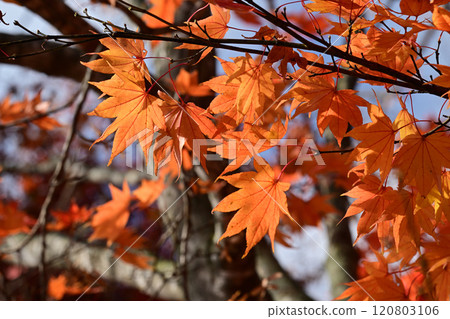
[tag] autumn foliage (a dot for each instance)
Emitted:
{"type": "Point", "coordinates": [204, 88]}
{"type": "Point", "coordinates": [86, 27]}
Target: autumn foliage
{"type": "Point", "coordinates": [285, 80]}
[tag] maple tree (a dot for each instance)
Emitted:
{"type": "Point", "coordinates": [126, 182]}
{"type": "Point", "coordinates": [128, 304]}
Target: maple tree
{"type": "Point", "coordinates": [321, 112]}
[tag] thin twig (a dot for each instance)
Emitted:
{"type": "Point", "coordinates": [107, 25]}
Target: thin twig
{"type": "Point", "coordinates": [444, 124]}
{"type": "Point", "coordinates": [39, 115]}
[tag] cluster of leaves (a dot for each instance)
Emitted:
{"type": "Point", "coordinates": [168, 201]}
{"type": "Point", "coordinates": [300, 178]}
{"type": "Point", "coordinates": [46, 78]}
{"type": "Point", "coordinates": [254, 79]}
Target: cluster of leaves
{"type": "Point", "coordinates": [406, 226]}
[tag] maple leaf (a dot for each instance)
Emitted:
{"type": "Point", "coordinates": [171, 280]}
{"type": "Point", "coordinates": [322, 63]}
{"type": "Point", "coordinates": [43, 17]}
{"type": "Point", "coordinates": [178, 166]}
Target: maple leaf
{"type": "Point", "coordinates": [371, 199]}
{"type": "Point", "coordinates": [66, 220]}
{"type": "Point", "coordinates": [444, 78]}
{"type": "Point", "coordinates": [112, 217]}
{"type": "Point", "coordinates": [266, 33]}
{"type": "Point", "coordinates": [125, 54]}
{"type": "Point", "coordinates": [390, 48]}
{"type": "Point", "coordinates": [412, 282]}
{"type": "Point", "coordinates": [308, 22]}
{"type": "Point", "coordinates": [336, 108]}
{"type": "Point", "coordinates": [286, 55]}
{"type": "Point", "coordinates": [377, 145]}
{"type": "Point", "coordinates": [185, 123]}
{"type": "Point", "coordinates": [164, 9]}
{"type": "Point", "coordinates": [224, 102]}
{"type": "Point", "coordinates": [259, 202]}
{"type": "Point", "coordinates": [256, 91]}
{"type": "Point", "coordinates": [127, 245]}
{"type": "Point", "coordinates": [415, 7]}
{"type": "Point", "coordinates": [138, 260]}
{"type": "Point", "coordinates": [391, 45]}
{"type": "Point", "coordinates": [440, 277]}
{"type": "Point", "coordinates": [404, 250]}
{"type": "Point", "coordinates": [28, 108]}
{"type": "Point", "coordinates": [422, 158]}
{"type": "Point", "coordinates": [346, 9]}
{"type": "Point", "coordinates": [241, 146]}
{"type": "Point", "coordinates": [378, 285]}
{"type": "Point", "coordinates": [136, 112]}
{"type": "Point", "coordinates": [57, 287]}
{"type": "Point", "coordinates": [441, 199]}
{"type": "Point", "coordinates": [438, 258]}
{"type": "Point", "coordinates": [383, 13]}
{"type": "Point", "coordinates": [149, 191]}
{"type": "Point", "coordinates": [404, 123]}
{"type": "Point", "coordinates": [61, 285]}
{"type": "Point", "coordinates": [212, 27]}
{"type": "Point", "coordinates": [441, 18]}
{"type": "Point", "coordinates": [411, 216]}
{"type": "Point", "coordinates": [309, 212]}
{"type": "Point", "coordinates": [187, 84]}
{"type": "Point", "coordinates": [12, 220]}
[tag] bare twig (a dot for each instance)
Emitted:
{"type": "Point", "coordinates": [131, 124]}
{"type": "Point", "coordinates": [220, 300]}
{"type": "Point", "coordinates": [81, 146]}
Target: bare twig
{"type": "Point", "coordinates": [38, 116]}
{"type": "Point", "coordinates": [444, 124]}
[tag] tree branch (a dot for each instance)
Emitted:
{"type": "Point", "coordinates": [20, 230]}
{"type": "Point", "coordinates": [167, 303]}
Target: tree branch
{"type": "Point", "coordinates": [58, 14]}
{"type": "Point", "coordinates": [64, 253]}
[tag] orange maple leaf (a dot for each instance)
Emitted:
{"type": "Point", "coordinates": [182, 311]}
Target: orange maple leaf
{"type": "Point", "coordinates": [125, 54]}
{"type": "Point", "coordinates": [444, 78]}
{"type": "Point", "coordinates": [336, 108]}
{"type": "Point", "coordinates": [224, 102]}
{"type": "Point", "coordinates": [415, 7]}
{"type": "Point", "coordinates": [379, 285]}
{"type": "Point", "coordinates": [438, 258]}
{"type": "Point", "coordinates": [346, 9]}
{"type": "Point", "coordinates": [309, 212]}
{"type": "Point", "coordinates": [405, 122]}
{"type": "Point", "coordinates": [390, 48]}
{"type": "Point", "coordinates": [391, 45]}
{"type": "Point", "coordinates": [12, 220]}
{"type": "Point", "coordinates": [165, 9]}
{"type": "Point", "coordinates": [257, 90]}
{"type": "Point", "coordinates": [61, 285]}
{"type": "Point", "coordinates": [127, 245]}
{"type": "Point", "coordinates": [187, 84]}
{"type": "Point", "coordinates": [371, 199]}
{"type": "Point", "coordinates": [67, 219]}
{"type": "Point", "coordinates": [286, 55]}
{"type": "Point", "coordinates": [136, 112]}
{"type": "Point", "coordinates": [241, 146]}
{"type": "Point", "coordinates": [112, 217]}
{"type": "Point", "coordinates": [28, 108]}
{"type": "Point", "coordinates": [266, 33]}
{"type": "Point", "coordinates": [259, 202]}
{"type": "Point", "coordinates": [422, 158]}
{"type": "Point", "coordinates": [138, 260]}
{"type": "Point", "coordinates": [441, 199]}
{"type": "Point", "coordinates": [185, 123]}
{"type": "Point", "coordinates": [441, 18]}
{"type": "Point", "coordinates": [377, 146]}
{"type": "Point", "coordinates": [412, 214]}
{"type": "Point", "coordinates": [412, 281]}
{"type": "Point", "coordinates": [212, 27]}
{"type": "Point", "coordinates": [57, 287]}
{"type": "Point", "coordinates": [149, 191]}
